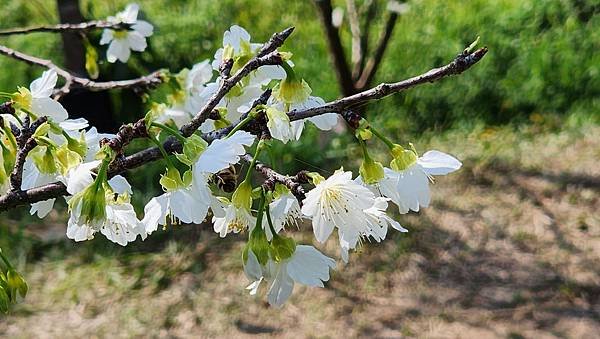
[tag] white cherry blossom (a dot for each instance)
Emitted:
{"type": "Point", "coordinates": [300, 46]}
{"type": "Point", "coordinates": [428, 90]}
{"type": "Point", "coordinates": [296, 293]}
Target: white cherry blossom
{"type": "Point", "coordinates": [122, 42]}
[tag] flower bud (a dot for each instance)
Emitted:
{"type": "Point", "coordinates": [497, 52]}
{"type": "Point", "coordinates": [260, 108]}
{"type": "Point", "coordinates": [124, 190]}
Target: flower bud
{"type": "Point", "coordinates": [22, 98]}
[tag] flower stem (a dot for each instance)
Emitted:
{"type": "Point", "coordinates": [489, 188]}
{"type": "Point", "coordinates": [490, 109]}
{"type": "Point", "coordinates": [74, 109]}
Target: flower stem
{"type": "Point", "coordinates": [259, 148]}
{"type": "Point", "coordinates": [162, 151]}
{"type": "Point", "coordinates": [270, 222]}
{"type": "Point", "coordinates": [11, 138]}
{"type": "Point", "coordinates": [259, 214]}
{"type": "Point", "coordinates": [169, 130]}
{"type": "Point", "coordinates": [382, 137]}
{"type": "Point", "coordinates": [239, 126]}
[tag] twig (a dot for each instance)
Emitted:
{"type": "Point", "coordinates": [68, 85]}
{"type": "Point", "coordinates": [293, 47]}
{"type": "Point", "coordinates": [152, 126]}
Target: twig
{"type": "Point", "coordinates": [373, 64]}
{"type": "Point", "coordinates": [342, 70]}
{"type": "Point", "coordinates": [84, 26]}
{"type": "Point", "coordinates": [72, 81]}
{"type": "Point", "coordinates": [460, 64]}
{"type": "Point", "coordinates": [26, 144]}
{"type": "Point", "coordinates": [294, 183]}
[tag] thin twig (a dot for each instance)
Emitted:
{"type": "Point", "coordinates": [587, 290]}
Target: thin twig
{"type": "Point", "coordinates": [72, 81]}
{"type": "Point", "coordinates": [460, 64]}
{"type": "Point", "coordinates": [84, 26]}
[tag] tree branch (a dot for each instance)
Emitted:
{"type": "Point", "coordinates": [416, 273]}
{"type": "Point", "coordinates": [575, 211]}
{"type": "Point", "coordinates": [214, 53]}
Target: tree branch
{"type": "Point", "coordinates": [373, 64]}
{"type": "Point", "coordinates": [342, 70]}
{"type": "Point", "coordinates": [460, 64]}
{"type": "Point", "coordinates": [26, 144]}
{"type": "Point", "coordinates": [84, 26]}
{"type": "Point", "coordinates": [72, 81]}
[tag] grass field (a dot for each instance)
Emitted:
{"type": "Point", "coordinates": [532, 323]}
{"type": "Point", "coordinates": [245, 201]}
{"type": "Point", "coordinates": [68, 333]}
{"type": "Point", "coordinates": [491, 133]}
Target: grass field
{"type": "Point", "coordinates": [510, 248]}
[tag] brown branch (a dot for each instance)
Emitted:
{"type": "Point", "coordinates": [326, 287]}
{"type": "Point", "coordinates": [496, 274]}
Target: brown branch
{"type": "Point", "coordinates": [373, 64]}
{"type": "Point", "coordinates": [26, 144]}
{"type": "Point", "coordinates": [294, 183]}
{"type": "Point", "coordinates": [72, 81]}
{"type": "Point", "coordinates": [84, 26]}
{"type": "Point", "coordinates": [342, 70]}
{"type": "Point", "coordinates": [461, 63]}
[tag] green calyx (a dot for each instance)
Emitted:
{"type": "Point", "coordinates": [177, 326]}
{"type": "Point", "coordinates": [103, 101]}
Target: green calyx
{"type": "Point", "coordinates": [78, 146]}
{"type": "Point", "coordinates": [242, 197]}
{"type": "Point", "coordinates": [281, 247]}
{"type": "Point", "coordinates": [403, 158]}
{"type": "Point", "coordinates": [22, 98]}
{"type": "Point", "coordinates": [371, 171]}
{"type": "Point", "coordinates": [315, 177]}
{"type": "Point", "coordinates": [172, 179]}
{"type": "Point", "coordinates": [291, 89]}
{"type": "Point", "coordinates": [43, 158]}
{"type": "Point", "coordinates": [363, 132]}
{"type": "Point", "coordinates": [193, 147]}
{"type": "Point", "coordinates": [66, 159]}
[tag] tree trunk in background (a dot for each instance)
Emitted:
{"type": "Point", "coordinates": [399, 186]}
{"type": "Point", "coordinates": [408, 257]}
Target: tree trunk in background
{"type": "Point", "coordinates": [94, 106]}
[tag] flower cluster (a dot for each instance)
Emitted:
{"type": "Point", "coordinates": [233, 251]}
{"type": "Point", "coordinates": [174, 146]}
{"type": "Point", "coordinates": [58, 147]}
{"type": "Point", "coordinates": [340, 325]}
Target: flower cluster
{"type": "Point", "coordinates": [66, 150]}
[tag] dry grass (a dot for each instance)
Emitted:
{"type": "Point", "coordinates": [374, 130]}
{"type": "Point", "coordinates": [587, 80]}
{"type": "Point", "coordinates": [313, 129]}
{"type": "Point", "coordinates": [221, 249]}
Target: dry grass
{"type": "Point", "coordinates": [510, 248]}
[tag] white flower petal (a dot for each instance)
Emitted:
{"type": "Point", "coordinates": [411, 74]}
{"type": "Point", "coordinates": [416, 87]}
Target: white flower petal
{"type": "Point", "coordinates": [438, 163]}
{"type": "Point", "coordinates": [43, 86]}
{"type": "Point", "coordinates": [50, 108]}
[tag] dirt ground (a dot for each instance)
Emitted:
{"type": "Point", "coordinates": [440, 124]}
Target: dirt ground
{"type": "Point", "coordinates": [510, 248]}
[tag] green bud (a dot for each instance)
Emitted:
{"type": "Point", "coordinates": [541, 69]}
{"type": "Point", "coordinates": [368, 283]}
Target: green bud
{"type": "Point", "coordinates": [155, 111]}
{"type": "Point", "coordinates": [371, 171]}
{"type": "Point", "coordinates": [242, 197]}
{"type": "Point", "coordinates": [281, 248]}
{"type": "Point", "coordinates": [403, 158]}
